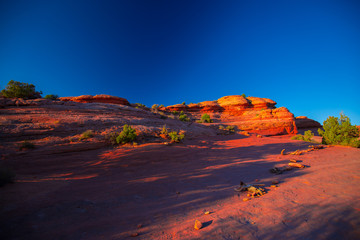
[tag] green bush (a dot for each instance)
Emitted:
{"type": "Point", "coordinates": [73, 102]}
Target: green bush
{"type": "Point", "coordinates": [340, 132]}
{"type": "Point", "coordinates": [183, 117]}
{"type": "Point", "coordinates": [16, 89]}
{"type": "Point", "coordinates": [128, 134]}
{"type": "Point", "coordinates": [205, 118]}
{"type": "Point", "coordinates": [87, 134]}
{"type": "Point", "coordinates": [26, 145]}
{"type": "Point", "coordinates": [176, 137]}
{"type": "Point", "coordinates": [243, 95]}
{"type": "Point", "coordinates": [183, 103]}
{"type": "Point", "coordinates": [155, 106]}
{"type": "Point", "coordinates": [6, 176]}
{"type": "Point", "coordinates": [51, 97]}
{"type": "Point", "coordinates": [306, 137]}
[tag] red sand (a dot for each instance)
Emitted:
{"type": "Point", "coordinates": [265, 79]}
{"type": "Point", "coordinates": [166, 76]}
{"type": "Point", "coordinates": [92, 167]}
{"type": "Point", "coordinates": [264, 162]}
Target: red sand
{"type": "Point", "coordinates": [158, 192]}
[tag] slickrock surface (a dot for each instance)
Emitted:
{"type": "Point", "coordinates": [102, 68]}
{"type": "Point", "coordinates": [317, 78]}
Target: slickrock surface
{"type": "Point", "coordinates": [58, 126]}
{"type": "Point", "coordinates": [258, 115]}
{"type": "Point", "coordinates": [107, 193]}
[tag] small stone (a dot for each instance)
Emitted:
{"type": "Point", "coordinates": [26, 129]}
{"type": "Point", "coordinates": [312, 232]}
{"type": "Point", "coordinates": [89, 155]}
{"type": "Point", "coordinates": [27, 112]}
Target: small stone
{"type": "Point", "coordinates": [207, 213]}
{"type": "Point", "coordinates": [134, 234]}
{"type": "Point", "coordinates": [246, 199]}
{"type": "Point", "coordinates": [198, 225]}
{"type": "Point", "coordinates": [275, 182]}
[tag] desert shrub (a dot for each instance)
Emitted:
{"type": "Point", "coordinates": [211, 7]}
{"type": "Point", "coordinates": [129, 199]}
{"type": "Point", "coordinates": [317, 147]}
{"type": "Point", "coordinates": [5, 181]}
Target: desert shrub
{"type": "Point", "coordinates": [164, 130]}
{"type": "Point", "coordinates": [26, 145]}
{"type": "Point", "coordinates": [16, 89]}
{"type": "Point", "coordinates": [140, 105]}
{"type": "Point", "coordinates": [6, 176]}
{"type": "Point", "coordinates": [128, 134]}
{"type": "Point", "coordinates": [176, 137]}
{"type": "Point", "coordinates": [51, 97]}
{"type": "Point", "coordinates": [243, 95]}
{"type": "Point", "coordinates": [175, 112]}
{"type": "Point", "coordinates": [306, 137]}
{"type": "Point", "coordinates": [205, 118]}
{"type": "Point", "coordinates": [111, 137]}
{"type": "Point", "coordinates": [183, 103]}
{"type": "Point", "coordinates": [155, 106]}
{"type": "Point", "coordinates": [87, 134]}
{"type": "Point", "coordinates": [183, 117]}
{"type": "Point", "coordinates": [339, 131]}
{"type": "Point", "coordinates": [161, 105]}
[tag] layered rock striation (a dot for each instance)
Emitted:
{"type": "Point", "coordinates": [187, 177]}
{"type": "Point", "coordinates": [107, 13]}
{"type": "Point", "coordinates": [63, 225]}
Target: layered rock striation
{"type": "Point", "coordinates": [102, 98]}
{"type": "Point", "coordinates": [252, 114]}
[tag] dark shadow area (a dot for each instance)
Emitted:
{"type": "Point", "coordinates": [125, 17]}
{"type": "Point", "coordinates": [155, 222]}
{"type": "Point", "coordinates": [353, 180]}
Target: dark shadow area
{"type": "Point", "coordinates": [135, 185]}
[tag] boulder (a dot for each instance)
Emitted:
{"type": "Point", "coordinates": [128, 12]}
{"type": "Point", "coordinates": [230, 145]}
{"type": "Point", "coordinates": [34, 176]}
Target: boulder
{"type": "Point", "coordinates": [304, 122]}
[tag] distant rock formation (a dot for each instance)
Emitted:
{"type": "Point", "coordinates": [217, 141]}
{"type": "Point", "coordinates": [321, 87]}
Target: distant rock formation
{"type": "Point", "coordinates": [102, 98]}
{"type": "Point", "coordinates": [304, 122]}
{"type": "Point", "coordinates": [252, 114]}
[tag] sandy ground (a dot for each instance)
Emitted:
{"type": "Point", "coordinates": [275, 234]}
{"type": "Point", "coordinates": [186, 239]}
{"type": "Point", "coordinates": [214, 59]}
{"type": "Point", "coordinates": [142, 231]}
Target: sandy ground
{"type": "Point", "coordinates": [157, 192]}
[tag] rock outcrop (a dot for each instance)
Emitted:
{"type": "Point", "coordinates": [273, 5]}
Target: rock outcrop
{"type": "Point", "coordinates": [252, 114]}
{"type": "Point", "coordinates": [102, 98]}
{"type": "Point", "coordinates": [304, 122]}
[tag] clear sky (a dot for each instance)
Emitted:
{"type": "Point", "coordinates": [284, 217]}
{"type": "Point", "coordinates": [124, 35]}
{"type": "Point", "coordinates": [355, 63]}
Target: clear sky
{"type": "Point", "coordinates": [305, 55]}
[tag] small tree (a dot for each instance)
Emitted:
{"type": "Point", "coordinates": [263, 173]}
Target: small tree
{"type": "Point", "coordinates": [16, 89]}
{"type": "Point", "coordinates": [340, 132]}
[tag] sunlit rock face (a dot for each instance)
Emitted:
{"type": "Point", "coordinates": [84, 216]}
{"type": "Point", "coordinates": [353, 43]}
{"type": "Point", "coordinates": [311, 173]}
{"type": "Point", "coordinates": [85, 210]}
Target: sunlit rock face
{"type": "Point", "coordinates": [102, 98]}
{"type": "Point", "coordinates": [252, 114]}
{"type": "Point", "coordinates": [304, 122]}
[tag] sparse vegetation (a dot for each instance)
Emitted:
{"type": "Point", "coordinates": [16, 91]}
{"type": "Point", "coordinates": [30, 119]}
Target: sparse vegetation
{"type": "Point", "coordinates": [183, 103]}
{"type": "Point", "coordinates": [228, 129]}
{"type": "Point", "coordinates": [164, 130]}
{"type": "Point", "coordinates": [139, 105]}
{"type": "Point", "coordinates": [339, 131]}
{"type": "Point", "coordinates": [306, 137]}
{"type": "Point", "coordinates": [16, 89]}
{"type": "Point", "coordinates": [183, 117]}
{"type": "Point", "coordinates": [205, 118]}
{"type": "Point", "coordinates": [155, 106]}
{"type": "Point", "coordinates": [175, 112]}
{"type": "Point", "coordinates": [87, 134]}
{"type": "Point", "coordinates": [7, 175]}
{"type": "Point", "coordinates": [175, 137]}
{"type": "Point", "coordinates": [51, 97]}
{"type": "Point", "coordinates": [26, 145]}
{"type": "Point", "coordinates": [243, 95]}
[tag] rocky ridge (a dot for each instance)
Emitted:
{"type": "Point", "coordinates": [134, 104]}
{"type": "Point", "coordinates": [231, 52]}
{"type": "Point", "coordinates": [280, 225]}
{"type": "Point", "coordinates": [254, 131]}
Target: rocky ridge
{"type": "Point", "coordinates": [252, 114]}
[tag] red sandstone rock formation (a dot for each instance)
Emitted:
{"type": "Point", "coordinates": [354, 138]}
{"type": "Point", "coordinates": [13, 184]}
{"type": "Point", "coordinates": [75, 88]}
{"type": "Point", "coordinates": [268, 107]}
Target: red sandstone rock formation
{"type": "Point", "coordinates": [304, 122]}
{"type": "Point", "coordinates": [252, 114]}
{"type": "Point", "coordinates": [102, 98]}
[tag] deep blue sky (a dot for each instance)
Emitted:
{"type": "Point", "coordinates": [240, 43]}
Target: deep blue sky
{"type": "Point", "coordinates": [305, 55]}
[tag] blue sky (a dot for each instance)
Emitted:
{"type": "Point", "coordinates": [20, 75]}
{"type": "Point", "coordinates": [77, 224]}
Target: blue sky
{"type": "Point", "coordinates": [305, 55]}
